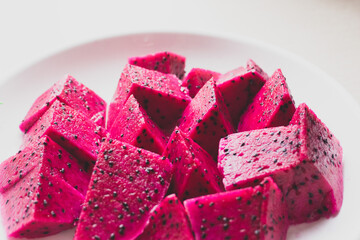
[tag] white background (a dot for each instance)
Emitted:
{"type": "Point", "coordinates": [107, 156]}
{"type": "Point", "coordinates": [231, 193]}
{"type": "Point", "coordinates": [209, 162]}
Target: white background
{"type": "Point", "coordinates": [324, 32]}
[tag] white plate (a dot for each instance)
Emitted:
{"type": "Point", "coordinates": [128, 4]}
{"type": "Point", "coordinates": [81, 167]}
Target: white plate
{"type": "Point", "coordinates": [99, 64]}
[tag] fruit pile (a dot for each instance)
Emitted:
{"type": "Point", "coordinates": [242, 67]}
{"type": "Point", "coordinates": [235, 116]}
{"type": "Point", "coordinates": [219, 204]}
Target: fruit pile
{"type": "Point", "coordinates": [201, 155]}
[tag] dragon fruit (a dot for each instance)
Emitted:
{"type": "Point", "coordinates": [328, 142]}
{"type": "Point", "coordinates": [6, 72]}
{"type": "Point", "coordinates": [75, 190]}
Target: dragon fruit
{"type": "Point", "coordinates": [42, 188]}
{"type": "Point", "coordinates": [239, 86]}
{"type": "Point", "coordinates": [304, 160]}
{"type": "Point", "coordinates": [251, 213]}
{"type": "Point", "coordinates": [70, 129]}
{"type": "Point", "coordinates": [206, 119]}
{"type": "Point", "coordinates": [196, 79]}
{"type": "Point", "coordinates": [134, 126]}
{"type": "Point", "coordinates": [165, 62]}
{"type": "Point", "coordinates": [252, 66]}
{"type": "Point", "coordinates": [195, 172]}
{"type": "Point", "coordinates": [127, 182]}
{"type": "Point", "coordinates": [159, 94]}
{"type": "Point", "coordinates": [72, 93]}
{"type": "Point", "coordinates": [168, 220]}
{"type": "Point", "coordinates": [273, 106]}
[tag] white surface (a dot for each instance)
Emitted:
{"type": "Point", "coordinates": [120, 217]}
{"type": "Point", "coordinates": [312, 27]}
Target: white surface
{"type": "Point", "coordinates": [99, 64]}
{"type": "Point", "coordinates": [325, 32]}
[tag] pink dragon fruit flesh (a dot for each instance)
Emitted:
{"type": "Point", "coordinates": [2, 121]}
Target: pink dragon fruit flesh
{"type": "Point", "coordinates": [42, 188]}
{"type": "Point", "coordinates": [161, 95]}
{"type": "Point", "coordinates": [165, 62]}
{"type": "Point", "coordinates": [168, 220]}
{"type": "Point", "coordinates": [72, 93]}
{"type": "Point", "coordinates": [70, 129]}
{"type": "Point", "coordinates": [304, 160]}
{"type": "Point", "coordinates": [127, 182]}
{"type": "Point", "coordinates": [206, 119]}
{"type": "Point", "coordinates": [272, 106]}
{"type": "Point", "coordinates": [196, 79]}
{"type": "Point", "coordinates": [134, 126]}
{"type": "Point", "coordinates": [250, 213]}
{"type": "Point", "coordinates": [195, 172]}
{"type": "Point", "coordinates": [239, 86]}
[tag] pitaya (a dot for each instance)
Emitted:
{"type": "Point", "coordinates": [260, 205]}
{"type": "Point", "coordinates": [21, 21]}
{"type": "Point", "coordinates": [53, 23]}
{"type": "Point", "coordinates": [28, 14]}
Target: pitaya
{"type": "Point", "coordinates": [305, 161]}
{"type": "Point", "coordinates": [272, 106]}
{"type": "Point", "coordinates": [165, 62]}
{"type": "Point", "coordinates": [134, 126]}
{"type": "Point", "coordinates": [70, 129]}
{"type": "Point", "coordinates": [249, 213]}
{"type": "Point", "coordinates": [196, 78]}
{"type": "Point", "coordinates": [252, 66]}
{"type": "Point", "coordinates": [42, 188]}
{"type": "Point", "coordinates": [127, 182]}
{"type": "Point", "coordinates": [168, 220]}
{"type": "Point", "coordinates": [206, 119]}
{"type": "Point", "coordinates": [239, 86]}
{"type": "Point", "coordinates": [195, 172]}
{"type": "Point", "coordinates": [72, 93]}
{"type": "Point", "coordinates": [159, 94]}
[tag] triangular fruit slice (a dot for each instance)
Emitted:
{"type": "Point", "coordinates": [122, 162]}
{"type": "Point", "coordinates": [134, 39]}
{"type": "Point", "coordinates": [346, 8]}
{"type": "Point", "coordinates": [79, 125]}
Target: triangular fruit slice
{"type": "Point", "coordinates": [127, 182]}
{"type": "Point", "coordinates": [197, 78]}
{"type": "Point", "coordinates": [195, 172]}
{"type": "Point", "coordinates": [249, 213]}
{"type": "Point", "coordinates": [168, 220]}
{"type": "Point", "coordinates": [304, 160]}
{"type": "Point", "coordinates": [72, 93]}
{"type": "Point", "coordinates": [206, 119]}
{"type": "Point", "coordinates": [159, 94]}
{"type": "Point", "coordinates": [134, 126]}
{"type": "Point", "coordinates": [165, 62]}
{"type": "Point", "coordinates": [70, 129]}
{"type": "Point", "coordinates": [272, 106]}
{"type": "Point", "coordinates": [42, 189]}
{"type": "Point", "coordinates": [239, 86]}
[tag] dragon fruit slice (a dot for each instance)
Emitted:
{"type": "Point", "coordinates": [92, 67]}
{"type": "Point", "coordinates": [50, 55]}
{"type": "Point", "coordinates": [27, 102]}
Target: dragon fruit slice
{"type": "Point", "coordinates": [239, 86]}
{"type": "Point", "coordinates": [134, 126]}
{"type": "Point", "coordinates": [70, 129]}
{"type": "Point", "coordinates": [127, 182]}
{"type": "Point", "coordinates": [324, 152]}
{"type": "Point", "coordinates": [165, 62]}
{"type": "Point", "coordinates": [42, 188]}
{"type": "Point", "coordinates": [168, 220]}
{"type": "Point", "coordinates": [196, 79]}
{"type": "Point", "coordinates": [249, 213]}
{"type": "Point", "coordinates": [252, 66]}
{"type": "Point", "coordinates": [72, 93]}
{"type": "Point", "coordinates": [195, 172]}
{"type": "Point", "coordinates": [304, 160]}
{"type": "Point", "coordinates": [206, 119]}
{"type": "Point", "coordinates": [273, 106]}
{"type": "Point", "coordinates": [159, 94]}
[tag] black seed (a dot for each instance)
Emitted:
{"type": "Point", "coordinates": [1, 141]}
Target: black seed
{"type": "Point", "coordinates": [121, 229]}
{"type": "Point", "coordinates": [316, 177]}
